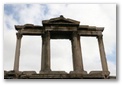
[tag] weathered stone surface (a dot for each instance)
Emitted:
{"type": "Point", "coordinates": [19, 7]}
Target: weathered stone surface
{"type": "Point", "coordinates": [77, 74]}
{"type": "Point", "coordinates": [53, 72]}
{"type": "Point", "coordinates": [59, 24]}
{"type": "Point", "coordinates": [29, 72]}
{"type": "Point", "coordinates": [59, 28]}
{"type": "Point", "coordinates": [60, 21]}
{"type": "Point", "coordinates": [11, 74]}
{"type": "Point", "coordinates": [55, 75]}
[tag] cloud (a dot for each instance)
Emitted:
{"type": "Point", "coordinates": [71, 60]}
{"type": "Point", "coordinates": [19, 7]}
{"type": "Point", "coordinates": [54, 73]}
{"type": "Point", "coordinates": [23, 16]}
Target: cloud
{"type": "Point", "coordinates": [9, 41]}
{"type": "Point", "coordinates": [61, 54]}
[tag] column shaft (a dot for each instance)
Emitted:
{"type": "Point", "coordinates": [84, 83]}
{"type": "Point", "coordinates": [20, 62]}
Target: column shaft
{"type": "Point", "coordinates": [102, 53]}
{"type": "Point", "coordinates": [17, 53]}
{"type": "Point", "coordinates": [77, 65]}
{"type": "Point", "coordinates": [43, 54]}
{"type": "Point", "coordinates": [80, 53]}
{"type": "Point", "coordinates": [47, 51]}
{"type": "Point", "coordinates": [45, 65]}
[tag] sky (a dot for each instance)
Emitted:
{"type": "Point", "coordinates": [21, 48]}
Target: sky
{"type": "Point", "coordinates": [100, 15]}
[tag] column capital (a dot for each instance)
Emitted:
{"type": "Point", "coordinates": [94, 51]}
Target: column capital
{"type": "Point", "coordinates": [74, 34]}
{"type": "Point", "coordinates": [99, 36]}
{"type": "Point", "coordinates": [19, 35]}
{"type": "Point", "coordinates": [46, 33]}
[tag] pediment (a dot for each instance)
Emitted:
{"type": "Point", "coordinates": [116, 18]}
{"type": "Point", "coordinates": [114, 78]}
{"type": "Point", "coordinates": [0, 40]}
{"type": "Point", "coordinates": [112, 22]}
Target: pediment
{"type": "Point", "coordinates": [60, 20]}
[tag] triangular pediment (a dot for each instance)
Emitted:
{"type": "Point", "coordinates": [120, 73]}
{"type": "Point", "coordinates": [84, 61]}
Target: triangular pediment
{"type": "Point", "coordinates": [60, 20]}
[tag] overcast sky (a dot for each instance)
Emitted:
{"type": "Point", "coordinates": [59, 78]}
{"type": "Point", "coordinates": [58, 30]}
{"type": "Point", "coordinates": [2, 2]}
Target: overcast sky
{"type": "Point", "coordinates": [100, 15]}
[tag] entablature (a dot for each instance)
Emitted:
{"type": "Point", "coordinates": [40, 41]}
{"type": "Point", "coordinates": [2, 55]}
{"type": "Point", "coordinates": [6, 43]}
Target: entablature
{"type": "Point", "coordinates": [59, 24]}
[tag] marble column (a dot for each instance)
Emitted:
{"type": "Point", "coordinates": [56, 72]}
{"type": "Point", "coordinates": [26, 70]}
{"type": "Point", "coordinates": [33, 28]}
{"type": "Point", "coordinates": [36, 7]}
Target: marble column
{"type": "Point", "coordinates": [43, 54]}
{"type": "Point", "coordinates": [45, 65]}
{"type": "Point", "coordinates": [17, 53]}
{"type": "Point", "coordinates": [102, 53]}
{"type": "Point", "coordinates": [80, 53]}
{"type": "Point", "coordinates": [76, 50]}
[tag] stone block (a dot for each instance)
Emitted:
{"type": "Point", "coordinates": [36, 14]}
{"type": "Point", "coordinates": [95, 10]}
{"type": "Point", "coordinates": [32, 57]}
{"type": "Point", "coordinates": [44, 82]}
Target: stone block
{"type": "Point", "coordinates": [77, 74]}
{"type": "Point", "coordinates": [29, 72]}
{"type": "Point", "coordinates": [100, 73]}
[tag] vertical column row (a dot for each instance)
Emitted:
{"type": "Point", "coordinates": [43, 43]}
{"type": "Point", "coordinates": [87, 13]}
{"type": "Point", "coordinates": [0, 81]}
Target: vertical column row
{"type": "Point", "coordinates": [17, 53]}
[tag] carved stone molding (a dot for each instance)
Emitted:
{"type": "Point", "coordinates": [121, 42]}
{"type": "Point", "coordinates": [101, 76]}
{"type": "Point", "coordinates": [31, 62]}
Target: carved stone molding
{"type": "Point", "coordinates": [19, 35]}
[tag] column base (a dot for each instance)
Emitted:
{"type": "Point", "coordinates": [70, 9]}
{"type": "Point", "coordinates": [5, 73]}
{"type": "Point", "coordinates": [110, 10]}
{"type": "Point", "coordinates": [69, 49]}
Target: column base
{"type": "Point", "coordinates": [98, 74]}
{"type": "Point", "coordinates": [46, 70]}
{"type": "Point", "coordinates": [77, 74]}
{"type": "Point", "coordinates": [53, 74]}
{"type": "Point", "coordinates": [58, 75]}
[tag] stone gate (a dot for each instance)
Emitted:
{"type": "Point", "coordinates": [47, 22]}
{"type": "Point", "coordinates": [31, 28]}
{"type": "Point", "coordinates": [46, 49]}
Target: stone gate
{"type": "Point", "coordinates": [62, 28]}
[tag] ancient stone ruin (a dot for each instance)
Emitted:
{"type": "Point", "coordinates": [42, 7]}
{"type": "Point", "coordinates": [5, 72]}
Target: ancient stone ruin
{"type": "Point", "coordinates": [59, 28]}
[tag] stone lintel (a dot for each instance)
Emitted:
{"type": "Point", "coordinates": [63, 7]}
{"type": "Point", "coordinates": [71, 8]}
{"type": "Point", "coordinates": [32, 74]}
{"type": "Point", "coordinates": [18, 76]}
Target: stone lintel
{"type": "Point", "coordinates": [89, 33]}
{"type": "Point", "coordinates": [90, 28]}
{"type": "Point", "coordinates": [28, 26]}
{"type": "Point", "coordinates": [32, 32]}
{"type": "Point", "coordinates": [61, 28]}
